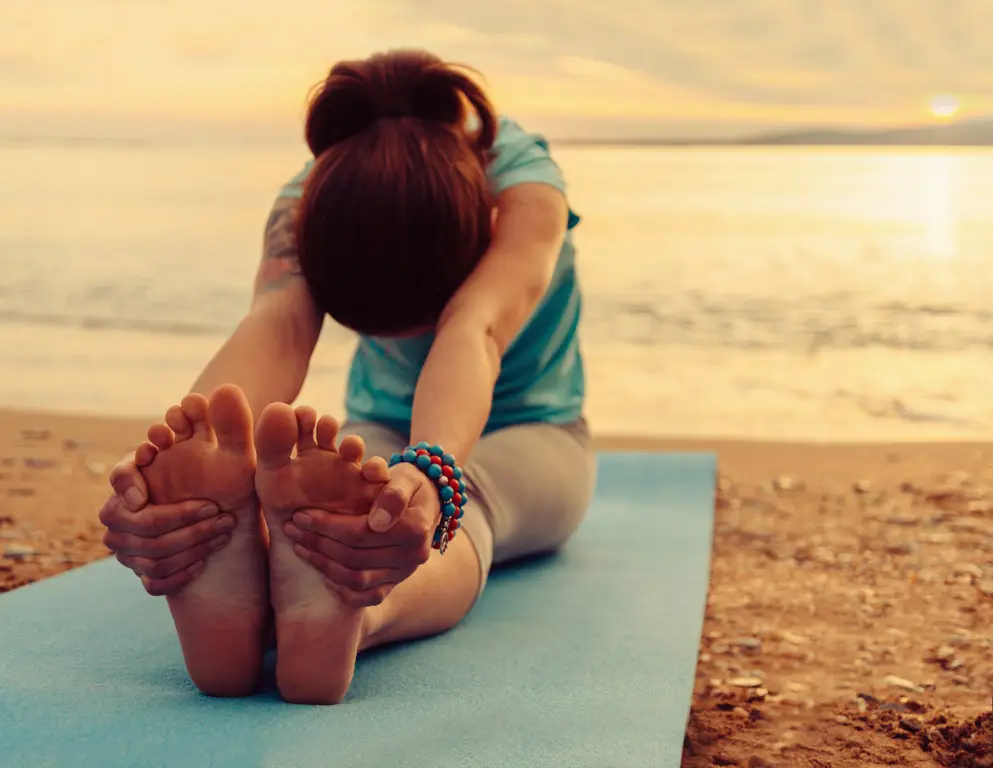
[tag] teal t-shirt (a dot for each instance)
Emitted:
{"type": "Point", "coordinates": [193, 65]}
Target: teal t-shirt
{"type": "Point", "coordinates": [541, 377]}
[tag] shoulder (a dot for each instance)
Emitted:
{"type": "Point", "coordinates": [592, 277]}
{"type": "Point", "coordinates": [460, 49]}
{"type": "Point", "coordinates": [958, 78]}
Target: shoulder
{"type": "Point", "coordinates": [520, 156]}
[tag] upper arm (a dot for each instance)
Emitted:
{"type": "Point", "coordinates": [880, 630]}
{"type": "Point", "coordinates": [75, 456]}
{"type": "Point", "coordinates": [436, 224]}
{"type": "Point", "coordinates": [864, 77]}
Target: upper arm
{"type": "Point", "coordinates": [279, 281]}
{"type": "Point", "coordinates": [510, 280]}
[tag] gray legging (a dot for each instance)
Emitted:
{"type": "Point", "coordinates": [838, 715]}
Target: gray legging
{"type": "Point", "coordinates": [529, 485]}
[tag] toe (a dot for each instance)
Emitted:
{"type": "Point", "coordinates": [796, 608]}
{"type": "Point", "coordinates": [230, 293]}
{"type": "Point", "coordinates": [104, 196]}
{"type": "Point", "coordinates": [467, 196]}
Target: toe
{"type": "Point", "coordinates": [161, 436]}
{"type": "Point", "coordinates": [231, 418]}
{"type": "Point", "coordinates": [195, 408]}
{"type": "Point", "coordinates": [352, 448]}
{"type": "Point", "coordinates": [375, 470]}
{"type": "Point", "coordinates": [327, 432]}
{"type": "Point", "coordinates": [306, 421]}
{"type": "Point", "coordinates": [275, 436]}
{"type": "Point", "coordinates": [145, 454]}
{"type": "Point", "coordinates": [178, 423]}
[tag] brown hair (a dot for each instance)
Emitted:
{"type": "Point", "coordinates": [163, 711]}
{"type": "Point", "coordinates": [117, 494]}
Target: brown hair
{"type": "Point", "coordinates": [396, 211]}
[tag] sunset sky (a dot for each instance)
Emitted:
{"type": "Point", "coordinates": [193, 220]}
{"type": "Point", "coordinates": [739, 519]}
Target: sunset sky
{"type": "Point", "coordinates": [674, 67]}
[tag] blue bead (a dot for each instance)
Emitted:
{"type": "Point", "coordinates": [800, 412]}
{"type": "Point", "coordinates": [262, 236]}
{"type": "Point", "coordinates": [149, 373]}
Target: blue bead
{"type": "Point", "coordinates": [457, 473]}
{"type": "Point", "coordinates": [448, 510]}
{"type": "Point", "coordinates": [435, 450]}
{"type": "Point", "coordinates": [446, 493]}
{"type": "Point", "coordinates": [422, 446]}
{"type": "Point", "coordinates": [448, 460]}
{"type": "Point", "coordinates": [409, 456]}
{"type": "Point", "coordinates": [434, 471]}
{"type": "Point", "coordinates": [423, 462]}
{"type": "Point", "coordinates": [437, 535]}
{"type": "Point", "coordinates": [395, 459]}
{"type": "Point", "coordinates": [461, 512]}
{"type": "Point", "coordinates": [461, 486]}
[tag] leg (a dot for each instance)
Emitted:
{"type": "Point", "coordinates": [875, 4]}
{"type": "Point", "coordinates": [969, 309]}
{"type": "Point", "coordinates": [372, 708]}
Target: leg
{"type": "Point", "coordinates": [204, 451]}
{"type": "Point", "coordinates": [509, 516]}
{"type": "Point", "coordinates": [317, 636]}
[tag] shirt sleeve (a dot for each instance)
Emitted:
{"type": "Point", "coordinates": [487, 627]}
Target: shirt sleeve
{"type": "Point", "coordinates": [520, 157]}
{"type": "Point", "coordinates": [294, 187]}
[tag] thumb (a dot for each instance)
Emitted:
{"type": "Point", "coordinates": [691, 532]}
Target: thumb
{"type": "Point", "coordinates": [393, 499]}
{"type": "Point", "coordinates": [128, 483]}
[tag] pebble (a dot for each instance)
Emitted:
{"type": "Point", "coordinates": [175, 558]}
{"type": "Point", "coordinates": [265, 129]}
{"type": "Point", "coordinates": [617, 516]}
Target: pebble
{"type": "Point", "coordinates": [787, 483]}
{"type": "Point", "coordinates": [96, 468]}
{"type": "Point", "coordinates": [758, 762]}
{"type": "Point", "coordinates": [745, 682]}
{"type": "Point", "coordinates": [967, 569]}
{"type": "Point", "coordinates": [985, 587]}
{"type": "Point", "coordinates": [862, 486]}
{"type": "Point", "coordinates": [17, 551]}
{"type": "Point", "coordinates": [893, 681]}
{"type": "Point", "coordinates": [752, 644]}
{"type": "Point", "coordinates": [904, 548]}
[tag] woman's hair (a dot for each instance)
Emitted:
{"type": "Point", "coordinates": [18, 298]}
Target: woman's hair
{"type": "Point", "coordinates": [396, 211]}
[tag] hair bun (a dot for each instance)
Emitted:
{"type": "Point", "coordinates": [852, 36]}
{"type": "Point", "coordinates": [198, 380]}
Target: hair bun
{"type": "Point", "coordinates": [392, 86]}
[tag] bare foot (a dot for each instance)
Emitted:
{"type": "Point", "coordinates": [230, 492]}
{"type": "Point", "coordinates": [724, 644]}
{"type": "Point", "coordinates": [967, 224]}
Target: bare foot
{"type": "Point", "coordinates": [317, 635]}
{"type": "Point", "coordinates": [204, 451]}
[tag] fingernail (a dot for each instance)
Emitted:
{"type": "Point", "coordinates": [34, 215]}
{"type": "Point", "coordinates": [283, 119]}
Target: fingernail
{"type": "Point", "coordinates": [224, 523]}
{"type": "Point", "coordinates": [291, 531]}
{"type": "Point", "coordinates": [379, 520]}
{"type": "Point", "coordinates": [302, 519]}
{"type": "Point", "coordinates": [301, 551]}
{"type": "Point", "coordinates": [208, 510]}
{"type": "Point", "coordinates": [134, 498]}
{"type": "Point", "coordinates": [219, 542]}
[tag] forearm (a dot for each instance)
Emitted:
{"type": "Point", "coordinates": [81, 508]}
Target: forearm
{"type": "Point", "coordinates": [454, 392]}
{"type": "Point", "coordinates": [263, 359]}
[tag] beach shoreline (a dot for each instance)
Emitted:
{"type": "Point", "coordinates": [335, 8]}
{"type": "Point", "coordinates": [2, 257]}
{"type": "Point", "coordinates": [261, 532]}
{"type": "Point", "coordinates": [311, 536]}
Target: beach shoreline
{"type": "Point", "coordinates": [851, 595]}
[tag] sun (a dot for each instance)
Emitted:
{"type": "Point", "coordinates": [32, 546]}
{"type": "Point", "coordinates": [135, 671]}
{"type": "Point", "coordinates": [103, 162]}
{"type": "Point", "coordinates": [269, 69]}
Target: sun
{"type": "Point", "coordinates": [944, 105]}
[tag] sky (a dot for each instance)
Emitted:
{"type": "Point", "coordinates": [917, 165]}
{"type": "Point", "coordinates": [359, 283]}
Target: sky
{"type": "Point", "coordinates": [669, 68]}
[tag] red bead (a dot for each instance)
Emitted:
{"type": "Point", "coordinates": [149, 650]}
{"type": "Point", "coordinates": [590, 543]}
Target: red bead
{"type": "Point", "coordinates": [436, 545]}
{"type": "Point", "coordinates": [457, 499]}
{"type": "Point", "coordinates": [436, 459]}
{"type": "Point", "coordinates": [422, 452]}
{"type": "Point", "coordinates": [451, 534]}
{"type": "Point", "coordinates": [447, 472]}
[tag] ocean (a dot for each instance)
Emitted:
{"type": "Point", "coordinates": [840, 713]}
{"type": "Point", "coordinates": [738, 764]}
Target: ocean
{"type": "Point", "coordinates": [817, 294]}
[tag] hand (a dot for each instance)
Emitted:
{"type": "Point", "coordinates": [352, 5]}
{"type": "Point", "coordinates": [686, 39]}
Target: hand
{"type": "Point", "coordinates": [361, 561]}
{"type": "Point", "coordinates": [166, 546]}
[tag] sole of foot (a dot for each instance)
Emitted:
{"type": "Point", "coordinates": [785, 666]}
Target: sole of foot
{"type": "Point", "coordinates": [317, 635]}
{"type": "Point", "coordinates": [203, 450]}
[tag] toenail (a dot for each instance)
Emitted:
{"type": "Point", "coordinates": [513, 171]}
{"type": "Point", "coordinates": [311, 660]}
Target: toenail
{"type": "Point", "coordinates": [301, 519]}
{"type": "Point", "coordinates": [292, 532]}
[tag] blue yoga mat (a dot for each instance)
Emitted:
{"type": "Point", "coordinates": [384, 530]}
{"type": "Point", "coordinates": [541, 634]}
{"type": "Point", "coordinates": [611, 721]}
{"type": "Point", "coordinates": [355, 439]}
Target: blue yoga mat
{"type": "Point", "coordinates": [582, 659]}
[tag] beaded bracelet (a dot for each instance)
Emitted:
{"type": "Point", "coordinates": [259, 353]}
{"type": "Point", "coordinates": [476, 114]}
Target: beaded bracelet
{"type": "Point", "coordinates": [440, 468]}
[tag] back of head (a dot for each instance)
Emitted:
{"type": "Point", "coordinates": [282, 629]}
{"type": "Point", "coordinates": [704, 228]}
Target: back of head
{"type": "Point", "coordinates": [397, 210]}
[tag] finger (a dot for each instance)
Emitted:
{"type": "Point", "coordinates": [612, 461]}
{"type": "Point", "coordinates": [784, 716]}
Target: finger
{"type": "Point", "coordinates": [174, 584]}
{"type": "Point", "coordinates": [157, 520]}
{"type": "Point", "coordinates": [167, 566]}
{"type": "Point", "coordinates": [392, 500]}
{"type": "Point", "coordinates": [358, 580]}
{"type": "Point", "coordinates": [352, 448]}
{"type": "Point", "coordinates": [401, 559]}
{"type": "Point", "coordinates": [353, 530]}
{"type": "Point", "coordinates": [127, 482]}
{"type": "Point", "coordinates": [356, 599]}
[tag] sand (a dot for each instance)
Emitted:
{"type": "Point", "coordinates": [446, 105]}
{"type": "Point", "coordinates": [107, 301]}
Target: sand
{"type": "Point", "coordinates": [850, 615]}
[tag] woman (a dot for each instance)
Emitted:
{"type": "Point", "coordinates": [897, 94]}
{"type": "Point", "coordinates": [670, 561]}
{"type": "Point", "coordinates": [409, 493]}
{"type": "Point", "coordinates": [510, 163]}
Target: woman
{"type": "Point", "coordinates": [439, 233]}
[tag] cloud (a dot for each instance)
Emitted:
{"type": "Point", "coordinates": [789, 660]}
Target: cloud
{"type": "Point", "coordinates": [869, 61]}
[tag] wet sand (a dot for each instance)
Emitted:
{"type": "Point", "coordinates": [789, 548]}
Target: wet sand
{"type": "Point", "coordinates": [850, 615]}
